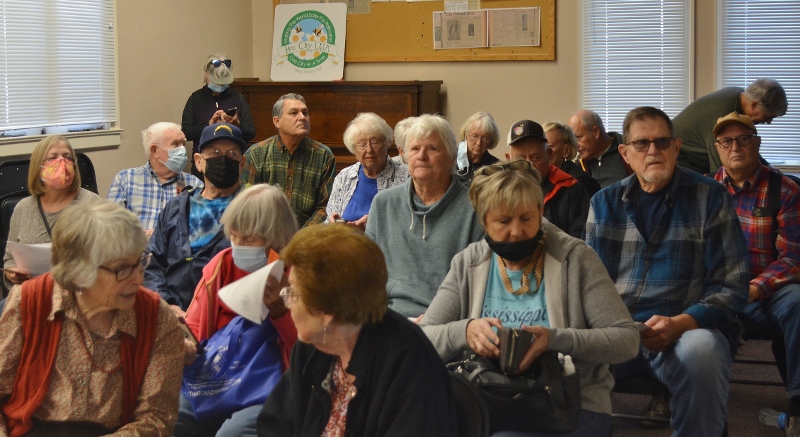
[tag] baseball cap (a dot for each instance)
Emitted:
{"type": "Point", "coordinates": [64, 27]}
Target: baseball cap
{"type": "Point", "coordinates": [221, 131]}
{"type": "Point", "coordinates": [525, 129]}
{"type": "Point", "coordinates": [734, 117]}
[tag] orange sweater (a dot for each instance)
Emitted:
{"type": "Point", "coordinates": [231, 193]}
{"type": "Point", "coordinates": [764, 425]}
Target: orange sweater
{"type": "Point", "coordinates": [40, 345]}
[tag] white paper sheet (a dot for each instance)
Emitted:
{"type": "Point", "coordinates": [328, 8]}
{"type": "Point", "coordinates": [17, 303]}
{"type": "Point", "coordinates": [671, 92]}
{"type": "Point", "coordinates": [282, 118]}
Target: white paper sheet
{"type": "Point", "coordinates": [34, 258]}
{"type": "Point", "coordinates": [246, 296]}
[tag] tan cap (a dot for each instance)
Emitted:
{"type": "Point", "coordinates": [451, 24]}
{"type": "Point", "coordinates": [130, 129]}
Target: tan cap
{"type": "Point", "coordinates": [734, 117]}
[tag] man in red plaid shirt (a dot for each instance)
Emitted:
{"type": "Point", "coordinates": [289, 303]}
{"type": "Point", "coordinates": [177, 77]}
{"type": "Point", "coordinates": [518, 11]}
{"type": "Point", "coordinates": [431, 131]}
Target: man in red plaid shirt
{"type": "Point", "coordinates": [774, 298]}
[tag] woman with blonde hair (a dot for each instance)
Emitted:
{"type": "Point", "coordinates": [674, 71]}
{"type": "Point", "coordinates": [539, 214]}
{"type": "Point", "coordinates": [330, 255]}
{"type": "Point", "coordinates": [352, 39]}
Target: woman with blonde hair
{"type": "Point", "coordinates": [478, 135]}
{"type": "Point", "coordinates": [54, 183]}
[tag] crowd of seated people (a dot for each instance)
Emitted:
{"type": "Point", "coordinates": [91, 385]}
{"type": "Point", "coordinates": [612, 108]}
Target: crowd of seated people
{"type": "Point", "coordinates": [399, 267]}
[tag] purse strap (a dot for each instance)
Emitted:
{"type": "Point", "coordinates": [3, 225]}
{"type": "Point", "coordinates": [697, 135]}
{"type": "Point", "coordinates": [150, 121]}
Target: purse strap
{"type": "Point", "coordinates": [44, 218]}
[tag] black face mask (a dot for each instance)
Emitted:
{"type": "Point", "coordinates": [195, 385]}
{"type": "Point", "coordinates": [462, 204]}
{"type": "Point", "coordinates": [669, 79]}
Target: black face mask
{"type": "Point", "coordinates": [222, 172]}
{"type": "Point", "coordinates": [517, 250]}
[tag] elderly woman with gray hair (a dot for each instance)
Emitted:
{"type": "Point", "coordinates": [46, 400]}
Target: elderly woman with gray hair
{"type": "Point", "coordinates": [423, 223]}
{"type": "Point", "coordinates": [368, 137]}
{"type": "Point", "coordinates": [86, 349]}
{"type": "Point", "coordinates": [259, 222]}
{"type": "Point", "coordinates": [478, 135]}
{"type": "Point", "coordinates": [216, 102]}
{"type": "Point", "coordinates": [527, 273]}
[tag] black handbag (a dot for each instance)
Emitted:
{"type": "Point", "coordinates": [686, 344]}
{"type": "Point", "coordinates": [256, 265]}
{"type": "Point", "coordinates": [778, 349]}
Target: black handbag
{"type": "Point", "coordinates": [543, 399]}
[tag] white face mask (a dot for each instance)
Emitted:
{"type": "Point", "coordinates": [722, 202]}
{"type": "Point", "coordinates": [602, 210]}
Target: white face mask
{"type": "Point", "coordinates": [217, 88]}
{"type": "Point", "coordinates": [462, 159]}
{"type": "Point", "coordinates": [249, 258]}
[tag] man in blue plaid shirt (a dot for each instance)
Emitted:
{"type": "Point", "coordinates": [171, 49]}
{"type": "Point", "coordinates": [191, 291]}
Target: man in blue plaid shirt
{"type": "Point", "coordinates": [146, 189]}
{"type": "Point", "coordinates": [671, 241]}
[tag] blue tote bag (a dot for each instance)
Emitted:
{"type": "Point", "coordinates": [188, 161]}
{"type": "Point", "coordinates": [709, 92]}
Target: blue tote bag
{"type": "Point", "coordinates": [240, 366]}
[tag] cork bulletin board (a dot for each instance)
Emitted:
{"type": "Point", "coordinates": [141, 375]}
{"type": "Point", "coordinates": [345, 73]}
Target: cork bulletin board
{"type": "Point", "coordinates": [403, 32]}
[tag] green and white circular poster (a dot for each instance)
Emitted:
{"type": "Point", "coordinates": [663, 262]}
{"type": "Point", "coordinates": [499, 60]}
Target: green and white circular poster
{"type": "Point", "coordinates": [308, 44]}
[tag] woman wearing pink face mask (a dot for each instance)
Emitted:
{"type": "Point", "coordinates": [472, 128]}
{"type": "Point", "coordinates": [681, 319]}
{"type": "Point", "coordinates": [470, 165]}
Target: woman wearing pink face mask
{"type": "Point", "coordinates": [54, 183]}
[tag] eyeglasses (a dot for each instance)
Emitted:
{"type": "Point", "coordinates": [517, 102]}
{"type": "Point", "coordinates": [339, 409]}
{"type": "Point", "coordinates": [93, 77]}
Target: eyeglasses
{"type": "Point", "coordinates": [215, 153]}
{"type": "Point", "coordinates": [289, 297]}
{"type": "Point", "coordinates": [126, 271]}
{"type": "Point", "coordinates": [373, 142]}
{"type": "Point", "coordinates": [217, 62]}
{"type": "Point", "coordinates": [661, 143]}
{"type": "Point", "coordinates": [742, 141]}
{"type": "Point", "coordinates": [518, 165]}
{"type": "Point", "coordinates": [51, 161]}
{"type": "Point", "coordinates": [483, 138]}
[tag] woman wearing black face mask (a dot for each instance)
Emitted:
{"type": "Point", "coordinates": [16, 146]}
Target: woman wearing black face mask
{"type": "Point", "coordinates": [529, 273]}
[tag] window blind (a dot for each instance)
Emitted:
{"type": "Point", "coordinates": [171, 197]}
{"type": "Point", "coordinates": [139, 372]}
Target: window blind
{"type": "Point", "coordinates": [635, 53]}
{"type": "Point", "coordinates": [57, 66]}
{"type": "Point", "coordinates": [762, 39]}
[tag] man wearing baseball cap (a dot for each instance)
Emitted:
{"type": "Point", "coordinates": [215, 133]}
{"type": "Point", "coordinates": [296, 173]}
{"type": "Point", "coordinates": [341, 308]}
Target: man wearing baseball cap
{"type": "Point", "coordinates": [188, 233]}
{"type": "Point", "coordinates": [566, 202]}
{"type": "Point", "coordinates": [768, 205]}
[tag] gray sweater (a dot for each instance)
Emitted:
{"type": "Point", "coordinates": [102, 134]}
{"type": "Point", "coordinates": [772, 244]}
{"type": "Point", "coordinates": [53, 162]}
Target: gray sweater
{"type": "Point", "coordinates": [418, 246]}
{"type": "Point", "coordinates": [587, 317]}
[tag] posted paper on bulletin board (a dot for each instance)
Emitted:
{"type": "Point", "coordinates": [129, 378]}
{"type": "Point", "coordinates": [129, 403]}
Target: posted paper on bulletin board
{"type": "Point", "coordinates": [308, 42]}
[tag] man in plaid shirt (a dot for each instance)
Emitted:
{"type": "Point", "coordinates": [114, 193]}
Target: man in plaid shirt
{"type": "Point", "coordinates": [672, 243]}
{"type": "Point", "coordinates": [774, 289]}
{"type": "Point", "coordinates": [301, 166]}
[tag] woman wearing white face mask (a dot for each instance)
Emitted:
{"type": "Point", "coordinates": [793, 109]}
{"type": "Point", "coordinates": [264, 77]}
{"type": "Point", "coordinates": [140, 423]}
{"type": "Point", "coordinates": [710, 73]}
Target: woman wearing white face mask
{"type": "Point", "coordinates": [216, 102]}
{"type": "Point", "coordinates": [259, 223]}
{"type": "Point", "coordinates": [54, 183]}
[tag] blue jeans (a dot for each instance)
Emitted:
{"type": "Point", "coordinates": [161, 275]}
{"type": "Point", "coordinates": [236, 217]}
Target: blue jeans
{"type": "Point", "coordinates": [696, 371]}
{"type": "Point", "coordinates": [590, 424]}
{"type": "Point", "coordinates": [241, 424]}
{"type": "Point", "coordinates": [782, 312]}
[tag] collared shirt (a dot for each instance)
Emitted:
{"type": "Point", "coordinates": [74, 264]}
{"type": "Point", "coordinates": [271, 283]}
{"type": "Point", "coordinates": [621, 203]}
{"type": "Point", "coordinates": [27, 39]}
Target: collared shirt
{"type": "Point", "coordinates": [769, 270]}
{"type": "Point", "coordinates": [140, 190]}
{"type": "Point", "coordinates": [395, 173]}
{"type": "Point", "coordinates": [305, 175]}
{"type": "Point", "coordinates": [695, 262]}
{"type": "Point", "coordinates": [86, 379]}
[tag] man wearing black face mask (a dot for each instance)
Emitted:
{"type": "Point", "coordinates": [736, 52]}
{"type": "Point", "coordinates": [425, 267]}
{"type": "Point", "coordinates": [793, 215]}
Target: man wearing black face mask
{"type": "Point", "coordinates": [188, 233]}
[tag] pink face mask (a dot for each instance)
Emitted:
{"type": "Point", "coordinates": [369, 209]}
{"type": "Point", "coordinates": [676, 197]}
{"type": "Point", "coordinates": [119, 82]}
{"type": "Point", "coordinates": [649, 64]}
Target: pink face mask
{"type": "Point", "coordinates": [58, 173]}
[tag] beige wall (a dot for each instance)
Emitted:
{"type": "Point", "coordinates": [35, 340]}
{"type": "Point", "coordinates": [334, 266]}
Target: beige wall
{"type": "Point", "coordinates": [162, 45]}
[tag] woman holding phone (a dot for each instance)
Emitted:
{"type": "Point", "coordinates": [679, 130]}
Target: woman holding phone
{"type": "Point", "coordinates": [216, 102]}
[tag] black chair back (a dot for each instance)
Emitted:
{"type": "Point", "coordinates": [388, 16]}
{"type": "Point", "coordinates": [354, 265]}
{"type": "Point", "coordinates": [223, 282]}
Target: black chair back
{"type": "Point", "coordinates": [14, 176]}
{"type": "Point", "coordinates": [473, 417]}
{"type": "Point", "coordinates": [86, 169]}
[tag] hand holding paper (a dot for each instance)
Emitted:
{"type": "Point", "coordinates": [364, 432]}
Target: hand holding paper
{"type": "Point", "coordinates": [247, 296]}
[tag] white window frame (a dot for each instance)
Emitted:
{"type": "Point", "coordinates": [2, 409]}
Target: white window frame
{"type": "Point", "coordinates": [763, 47]}
{"type": "Point", "coordinates": [610, 72]}
{"type": "Point", "coordinates": [108, 136]}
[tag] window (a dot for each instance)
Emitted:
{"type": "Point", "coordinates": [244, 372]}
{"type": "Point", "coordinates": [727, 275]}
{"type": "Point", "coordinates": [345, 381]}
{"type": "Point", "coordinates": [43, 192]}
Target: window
{"type": "Point", "coordinates": [760, 39]}
{"type": "Point", "coordinates": [635, 53]}
{"type": "Point", "coordinates": [57, 67]}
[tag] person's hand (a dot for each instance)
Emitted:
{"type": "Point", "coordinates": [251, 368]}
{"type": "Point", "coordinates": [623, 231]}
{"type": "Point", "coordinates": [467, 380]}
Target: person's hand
{"type": "Point", "coordinates": [272, 298]}
{"type": "Point", "coordinates": [149, 232]}
{"type": "Point", "coordinates": [334, 217]}
{"type": "Point", "coordinates": [189, 352]}
{"type": "Point", "coordinates": [232, 120]}
{"type": "Point", "coordinates": [360, 223]}
{"type": "Point", "coordinates": [753, 294]}
{"type": "Point", "coordinates": [16, 275]}
{"type": "Point", "coordinates": [665, 331]}
{"type": "Point", "coordinates": [482, 339]}
{"type": "Point", "coordinates": [177, 311]}
{"type": "Point", "coordinates": [541, 340]}
{"type": "Point", "coordinates": [217, 117]}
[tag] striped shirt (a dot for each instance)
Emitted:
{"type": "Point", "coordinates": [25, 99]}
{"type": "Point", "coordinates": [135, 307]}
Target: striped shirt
{"type": "Point", "coordinates": [140, 190]}
{"type": "Point", "coordinates": [306, 175]}
{"type": "Point", "coordinates": [769, 271]}
{"type": "Point", "coordinates": [695, 262]}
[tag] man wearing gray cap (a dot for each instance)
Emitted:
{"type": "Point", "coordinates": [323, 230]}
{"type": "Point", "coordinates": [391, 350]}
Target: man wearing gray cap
{"type": "Point", "coordinates": [188, 233]}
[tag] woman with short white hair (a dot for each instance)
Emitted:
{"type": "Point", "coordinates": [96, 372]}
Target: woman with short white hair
{"type": "Point", "coordinates": [259, 223]}
{"type": "Point", "coordinates": [86, 349]}
{"type": "Point", "coordinates": [368, 137]}
{"type": "Point", "coordinates": [421, 224]}
{"type": "Point", "coordinates": [478, 135]}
